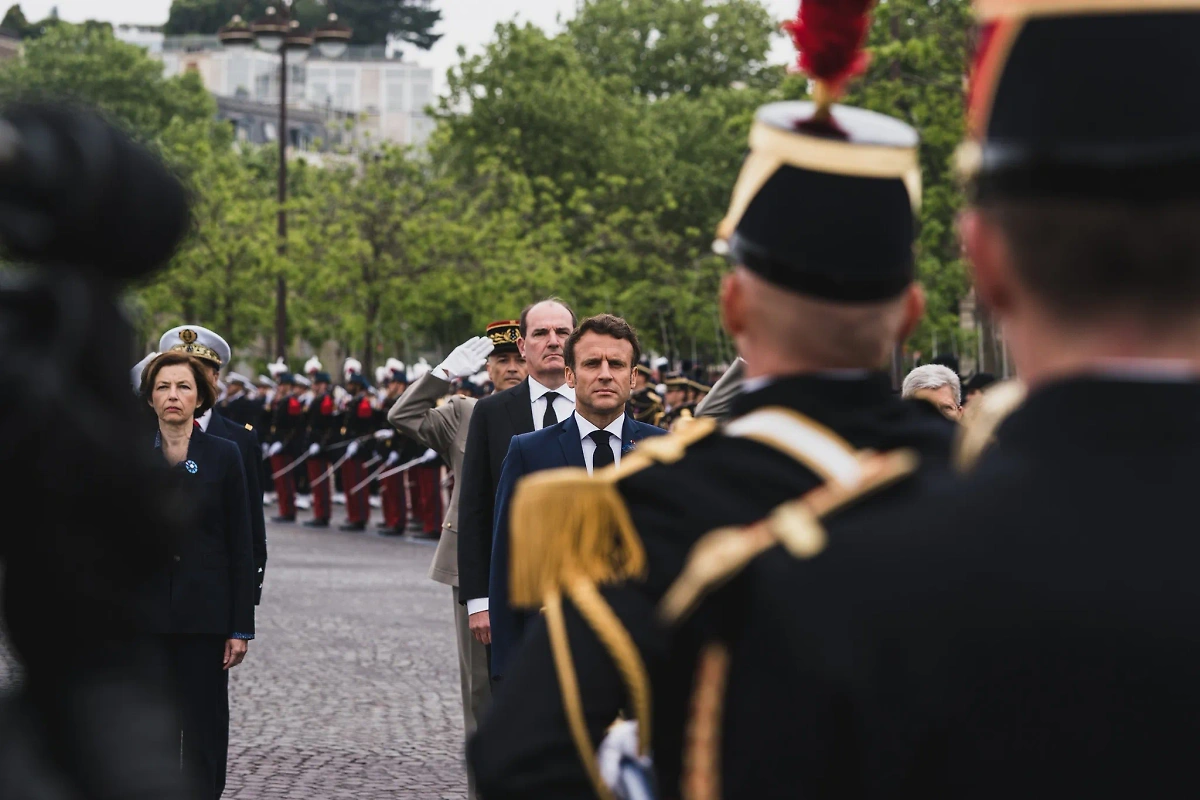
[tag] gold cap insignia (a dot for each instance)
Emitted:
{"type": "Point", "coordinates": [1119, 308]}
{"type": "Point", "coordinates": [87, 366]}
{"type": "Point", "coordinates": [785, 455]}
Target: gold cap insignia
{"type": "Point", "coordinates": [187, 335]}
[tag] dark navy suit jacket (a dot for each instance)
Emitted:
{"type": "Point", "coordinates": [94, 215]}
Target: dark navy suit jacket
{"type": "Point", "coordinates": [550, 448]}
{"type": "Point", "coordinates": [204, 579]}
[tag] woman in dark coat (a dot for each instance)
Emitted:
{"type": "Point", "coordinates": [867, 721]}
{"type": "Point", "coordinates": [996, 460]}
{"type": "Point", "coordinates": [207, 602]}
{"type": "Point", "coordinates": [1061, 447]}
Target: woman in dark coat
{"type": "Point", "coordinates": [200, 602]}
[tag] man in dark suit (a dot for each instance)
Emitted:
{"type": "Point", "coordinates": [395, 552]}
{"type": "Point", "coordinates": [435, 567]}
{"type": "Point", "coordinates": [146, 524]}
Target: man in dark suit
{"type": "Point", "coordinates": [215, 352]}
{"type": "Point", "coordinates": [820, 233]}
{"type": "Point", "coordinates": [541, 400]}
{"type": "Point", "coordinates": [1033, 630]}
{"type": "Point", "coordinates": [600, 356]}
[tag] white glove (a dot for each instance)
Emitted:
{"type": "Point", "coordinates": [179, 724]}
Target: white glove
{"type": "Point", "coordinates": [313, 449]}
{"type": "Point", "coordinates": [620, 743]}
{"type": "Point", "coordinates": [383, 433]}
{"type": "Point", "coordinates": [392, 458]}
{"type": "Point", "coordinates": [351, 450]}
{"type": "Point", "coordinates": [275, 449]}
{"type": "Point", "coordinates": [266, 448]}
{"type": "Point", "coordinates": [428, 455]}
{"type": "Point", "coordinates": [466, 359]}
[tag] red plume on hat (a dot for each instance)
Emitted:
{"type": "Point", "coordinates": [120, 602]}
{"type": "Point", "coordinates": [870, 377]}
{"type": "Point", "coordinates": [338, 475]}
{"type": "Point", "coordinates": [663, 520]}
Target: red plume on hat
{"type": "Point", "coordinates": [830, 35]}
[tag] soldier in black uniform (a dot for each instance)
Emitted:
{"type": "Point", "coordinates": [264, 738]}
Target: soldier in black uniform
{"type": "Point", "coordinates": [644, 403]}
{"type": "Point", "coordinates": [1033, 630]}
{"type": "Point", "coordinates": [321, 431]}
{"type": "Point", "coordinates": [677, 403]}
{"type": "Point", "coordinates": [358, 424]}
{"type": "Point", "coordinates": [287, 443]}
{"type": "Point", "coordinates": [820, 233]}
{"type": "Point", "coordinates": [238, 406]}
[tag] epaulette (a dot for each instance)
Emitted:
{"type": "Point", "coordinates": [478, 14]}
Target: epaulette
{"type": "Point", "coordinates": [249, 427]}
{"type": "Point", "coordinates": [572, 533]}
{"type": "Point", "coordinates": [796, 525]}
{"type": "Point", "coordinates": [566, 524]}
{"type": "Point", "coordinates": [977, 431]}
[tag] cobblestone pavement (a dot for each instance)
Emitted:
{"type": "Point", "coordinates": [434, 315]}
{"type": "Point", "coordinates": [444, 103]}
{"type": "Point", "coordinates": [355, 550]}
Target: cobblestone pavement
{"type": "Point", "coordinates": [351, 688]}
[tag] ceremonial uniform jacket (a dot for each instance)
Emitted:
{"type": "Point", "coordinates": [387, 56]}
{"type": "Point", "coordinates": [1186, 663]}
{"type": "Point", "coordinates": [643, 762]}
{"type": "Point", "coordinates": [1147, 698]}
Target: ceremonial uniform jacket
{"type": "Point", "coordinates": [524, 748]}
{"type": "Point", "coordinates": [287, 424]}
{"type": "Point", "coordinates": [247, 442]}
{"type": "Point", "coordinates": [321, 421]}
{"type": "Point", "coordinates": [1031, 632]}
{"type": "Point", "coordinates": [359, 421]}
{"type": "Point", "coordinates": [242, 410]}
{"type": "Point", "coordinates": [204, 581]}
{"type": "Point", "coordinates": [442, 428]}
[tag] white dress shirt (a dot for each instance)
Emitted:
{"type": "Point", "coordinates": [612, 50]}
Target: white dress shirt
{"type": "Point", "coordinates": [564, 404]}
{"type": "Point", "coordinates": [615, 428]}
{"type": "Point", "coordinates": [204, 419]}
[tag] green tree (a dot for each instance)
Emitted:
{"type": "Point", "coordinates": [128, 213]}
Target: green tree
{"type": "Point", "coordinates": [14, 21]}
{"type": "Point", "coordinates": [87, 64]}
{"type": "Point", "coordinates": [680, 46]}
{"type": "Point", "coordinates": [919, 54]}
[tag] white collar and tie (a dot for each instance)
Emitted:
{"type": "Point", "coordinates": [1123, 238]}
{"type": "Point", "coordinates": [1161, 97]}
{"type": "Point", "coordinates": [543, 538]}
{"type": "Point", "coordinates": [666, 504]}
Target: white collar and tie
{"type": "Point", "coordinates": [204, 419]}
{"type": "Point", "coordinates": [615, 429]}
{"type": "Point", "coordinates": [564, 402]}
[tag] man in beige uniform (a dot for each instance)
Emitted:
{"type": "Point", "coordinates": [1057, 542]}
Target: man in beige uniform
{"type": "Point", "coordinates": [443, 428]}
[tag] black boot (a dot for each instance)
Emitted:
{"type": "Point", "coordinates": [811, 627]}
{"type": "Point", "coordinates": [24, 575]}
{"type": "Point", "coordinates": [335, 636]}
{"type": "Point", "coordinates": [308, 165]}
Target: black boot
{"type": "Point", "coordinates": [352, 526]}
{"type": "Point", "coordinates": [284, 519]}
{"type": "Point", "coordinates": [317, 523]}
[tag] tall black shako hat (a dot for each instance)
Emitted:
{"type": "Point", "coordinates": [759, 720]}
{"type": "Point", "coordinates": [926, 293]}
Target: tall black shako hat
{"type": "Point", "coordinates": [825, 201]}
{"type": "Point", "coordinates": [1084, 99]}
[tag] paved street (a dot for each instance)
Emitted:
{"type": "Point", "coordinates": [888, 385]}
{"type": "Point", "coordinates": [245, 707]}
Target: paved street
{"type": "Point", "coordinates": [351, 688]}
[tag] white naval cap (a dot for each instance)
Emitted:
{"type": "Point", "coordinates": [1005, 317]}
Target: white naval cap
{"type": "Point", "coordinates": [300, 380]}
{"type": "Point", "coordinates": [235, 377]}
{"type": "Point", "coordinates": [263, 380]}
{"type": "Point", "coordinates": [135, 374]}
{"type": "Point", "coordinates": [660, 362]}
{"type": "Point", "coordinates": [312, 365]}
{"type": "Point", "coordinates": [196, 341]}
{"type": "Point", "coordinates": [277, 368]}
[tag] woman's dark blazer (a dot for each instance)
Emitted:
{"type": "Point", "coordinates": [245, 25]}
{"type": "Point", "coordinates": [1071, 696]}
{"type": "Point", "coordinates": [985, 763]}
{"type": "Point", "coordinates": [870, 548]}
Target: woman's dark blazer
{"type": "Point", "coordinates": [204, 583]}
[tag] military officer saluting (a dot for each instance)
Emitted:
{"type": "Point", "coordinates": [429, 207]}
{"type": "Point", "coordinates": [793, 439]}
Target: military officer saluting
{"type": "Point", "coordinates": [1033, 630]}
{"type": "Point", "coordinates": [214, 352]}
{"type": "Point", "coordinates": [820, 235]}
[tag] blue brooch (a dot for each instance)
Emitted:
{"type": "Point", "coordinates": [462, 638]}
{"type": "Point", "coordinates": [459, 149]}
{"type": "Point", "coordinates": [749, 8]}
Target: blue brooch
{"type": "Point", "coordinates": [628, 447]}
{"type": "Point", "coordinates": [190, 466]}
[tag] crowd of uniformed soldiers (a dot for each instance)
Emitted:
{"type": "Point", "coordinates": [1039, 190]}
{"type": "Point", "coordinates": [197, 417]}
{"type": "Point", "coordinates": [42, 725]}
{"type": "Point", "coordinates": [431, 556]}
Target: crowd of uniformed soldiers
{"type": "Point", "coordinates": [826, 590]}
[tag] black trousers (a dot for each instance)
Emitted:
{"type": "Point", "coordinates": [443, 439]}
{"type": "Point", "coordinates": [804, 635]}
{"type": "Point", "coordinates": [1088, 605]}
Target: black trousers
{"type": "Point", "coordinates": [202, 706]}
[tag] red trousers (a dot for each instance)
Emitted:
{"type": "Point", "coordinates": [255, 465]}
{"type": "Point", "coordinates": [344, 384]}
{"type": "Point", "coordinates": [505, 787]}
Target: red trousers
{"type": "Point", "coordinates": [395, 506]}
{"type": "Point", "coordinates": [285, 486]}
{"type": "Point", "coordinates": [358, 506]}
{"type": "Point", "coordinates": [427, 497]}
{"type": "Point", "coordinates": [321, 498]}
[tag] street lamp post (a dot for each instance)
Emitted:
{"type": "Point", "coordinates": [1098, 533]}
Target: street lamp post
{"type": "Point", "coordinates": [278, 32]}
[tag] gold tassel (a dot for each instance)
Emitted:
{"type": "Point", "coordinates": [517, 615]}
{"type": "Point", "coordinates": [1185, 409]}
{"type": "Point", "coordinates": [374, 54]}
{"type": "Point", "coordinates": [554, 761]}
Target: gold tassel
{"type": "Point", "coordinates": [566, 524]}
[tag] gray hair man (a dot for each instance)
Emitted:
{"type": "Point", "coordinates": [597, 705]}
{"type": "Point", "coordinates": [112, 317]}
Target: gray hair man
{"type": "Point", "coordinates": [935, 384]}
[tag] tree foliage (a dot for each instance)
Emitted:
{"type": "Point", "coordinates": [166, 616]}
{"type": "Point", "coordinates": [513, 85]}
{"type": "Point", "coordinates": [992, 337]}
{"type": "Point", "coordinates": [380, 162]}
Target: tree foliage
{"type": "Point", "coordinates": [373, 21]}
{"type": "Point", "coordinates": [594, 163]}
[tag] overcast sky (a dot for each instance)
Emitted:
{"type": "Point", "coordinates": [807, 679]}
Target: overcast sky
{"type": "Point", "coordinates": [465, 22]}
